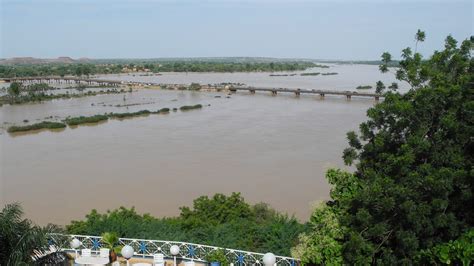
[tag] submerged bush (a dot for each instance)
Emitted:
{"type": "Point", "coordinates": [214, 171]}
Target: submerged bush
{"type": "Point", "coordinates": [37, 126]}
{"type": "Point", "coordinates": [74, 121]}
{"type": "Point", "coordinates": [126, 115]}
{"type": "Point", "coordinates": [164, 110]}
{"type": "Point", "coordinates": [190, 107]}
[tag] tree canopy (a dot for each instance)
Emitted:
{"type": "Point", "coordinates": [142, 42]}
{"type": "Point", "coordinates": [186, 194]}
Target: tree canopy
{"type": "Point", "coordinates": [19, 237]}
{"type": "Point", "coordinates": [220, 220]}
{"type": "Point", "coordinates": [414, 174]}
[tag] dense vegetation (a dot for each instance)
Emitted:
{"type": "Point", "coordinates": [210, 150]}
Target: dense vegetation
{"type": "Point", "coordinates": [410, 199]}
{"type": "Point", "coordinates": [152, 66]}
{"type": "Point", "coordinates": [226, 221]}
{"type": "Point", "coordinates": [37, 126]}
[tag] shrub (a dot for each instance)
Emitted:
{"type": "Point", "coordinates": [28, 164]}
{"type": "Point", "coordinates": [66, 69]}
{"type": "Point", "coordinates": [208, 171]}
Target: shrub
{"type": "Point", "coordinates": [218, 256]}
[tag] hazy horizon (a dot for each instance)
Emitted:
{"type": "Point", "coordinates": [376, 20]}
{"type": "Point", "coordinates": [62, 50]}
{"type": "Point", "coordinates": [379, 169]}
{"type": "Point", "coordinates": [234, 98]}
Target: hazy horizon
{"type": "Point", "coordinates": [143, 29]}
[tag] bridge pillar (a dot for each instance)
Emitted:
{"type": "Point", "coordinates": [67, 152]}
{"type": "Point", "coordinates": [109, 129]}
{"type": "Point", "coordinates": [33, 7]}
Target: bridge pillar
{"type": "Point", "coordinates": [274, 92]}
{"type": "Point", "coordinates": [348, 96]}
{"type": "Point", "coordinates": [321, 95]}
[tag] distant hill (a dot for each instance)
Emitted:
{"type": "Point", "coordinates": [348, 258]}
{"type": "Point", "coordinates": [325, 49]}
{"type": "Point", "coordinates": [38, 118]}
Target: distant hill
{"type": "Point", "coordinates": [37, 61]}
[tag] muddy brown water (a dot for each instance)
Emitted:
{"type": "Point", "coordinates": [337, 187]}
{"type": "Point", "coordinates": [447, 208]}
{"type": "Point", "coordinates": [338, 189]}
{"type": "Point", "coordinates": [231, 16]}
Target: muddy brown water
{"type": "Point", "coordinates": [274, 149]}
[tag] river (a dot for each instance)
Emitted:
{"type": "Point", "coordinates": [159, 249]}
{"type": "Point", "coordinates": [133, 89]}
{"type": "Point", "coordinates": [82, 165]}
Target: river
{"type": "Point", "coordinates": [274, 149]}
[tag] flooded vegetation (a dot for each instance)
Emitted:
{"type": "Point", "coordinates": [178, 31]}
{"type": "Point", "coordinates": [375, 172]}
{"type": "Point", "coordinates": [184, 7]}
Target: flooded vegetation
{"type": "Point", "coordinates": [74, 121]}
{"type": "Point", "coordinates": [94, 119]}
{"type": "Point", "coordinates": [190, 107]}
{"type": "Point", "coordinates": [37, 126]}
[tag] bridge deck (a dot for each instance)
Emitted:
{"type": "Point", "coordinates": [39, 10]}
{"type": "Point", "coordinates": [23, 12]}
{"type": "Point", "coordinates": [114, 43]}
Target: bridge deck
{"type": "Point", "coordinates": [348, 94]}
{"type": "Point", "coordinates": [324, 92]}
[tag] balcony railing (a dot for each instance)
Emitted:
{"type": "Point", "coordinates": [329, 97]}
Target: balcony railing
{"type": "Point", "coordinates": [188, 251]}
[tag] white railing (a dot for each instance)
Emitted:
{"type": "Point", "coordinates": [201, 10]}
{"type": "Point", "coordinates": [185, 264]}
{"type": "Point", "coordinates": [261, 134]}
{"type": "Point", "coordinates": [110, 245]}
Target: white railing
{"type": "Point", "coordinates": [188, 251]}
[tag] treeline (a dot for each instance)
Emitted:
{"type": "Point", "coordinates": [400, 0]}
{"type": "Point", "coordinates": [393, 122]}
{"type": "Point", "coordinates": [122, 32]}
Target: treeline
{"type": "Point", "coordinates": [169, 66]}
{"type": "Point", "coordinates": [225, 221]}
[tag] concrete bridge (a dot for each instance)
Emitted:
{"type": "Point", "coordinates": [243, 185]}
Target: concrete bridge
{"type": "Point", "coordinates": [115, 83]}
{"type": "Point", "coordinates": [298, 92]}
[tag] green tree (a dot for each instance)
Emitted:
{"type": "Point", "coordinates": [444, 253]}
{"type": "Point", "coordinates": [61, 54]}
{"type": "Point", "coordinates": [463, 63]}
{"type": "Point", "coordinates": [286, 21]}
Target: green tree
{"type": "Point", "coordinates": [379, 87]}
{"type": "Point", "coordinates": [419, 37]}
{"type": "Point", "coordinates": [19, 238]}
{"type": "Point", "coordinates": [324, 242]}
{"type": "Point", "coordinates": [393, 86]}
{"type": "Point", "coordinates": [455, 252]}
{"type": "Point", "coordinates": [386, 58]}
{"type": "Point", "coordinates": [323, 245]}
{"type": "Point", "coordinates": [216, 210]}
{"type": "Point", "coordinates": [414, 161]}
{"type": "Point", "coordinates": [14, 89]}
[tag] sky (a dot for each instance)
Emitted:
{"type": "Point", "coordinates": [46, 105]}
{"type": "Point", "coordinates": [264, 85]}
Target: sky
{"type": "Point", "coordinates": [342, 30]}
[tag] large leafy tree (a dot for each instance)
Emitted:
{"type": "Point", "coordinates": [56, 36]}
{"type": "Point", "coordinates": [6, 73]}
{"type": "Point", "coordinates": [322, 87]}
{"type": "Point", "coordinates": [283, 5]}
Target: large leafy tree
{"type": "Point", "coordinates": [414, 160]}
